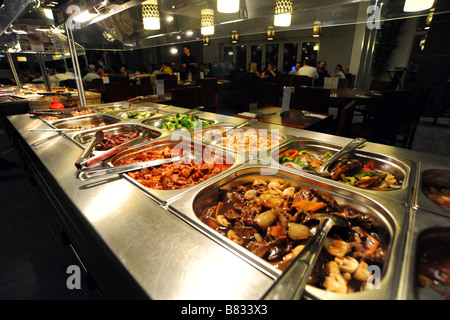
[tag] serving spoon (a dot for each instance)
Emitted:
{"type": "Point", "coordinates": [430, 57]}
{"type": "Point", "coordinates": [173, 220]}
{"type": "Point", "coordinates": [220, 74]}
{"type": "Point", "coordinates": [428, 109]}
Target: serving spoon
{"type": "Point", "coordinates": [291, 284]}
{"type": "Point", "coordinates": [323, 169]}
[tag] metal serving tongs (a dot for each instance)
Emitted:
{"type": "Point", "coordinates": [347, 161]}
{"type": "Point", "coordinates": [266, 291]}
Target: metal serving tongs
{"type": "Point", "coordinates": [291, 284]}
{"type": "Point", "coordinates": [243, 124]}
{"type": "Point", "coordinates": [323, 169]}
{"type": "Point", "coordinates": [95, 173]}
{"type": "Point", "coordinates": [144, 136]}
{"type": "Point", "coordinates": [87, 153]}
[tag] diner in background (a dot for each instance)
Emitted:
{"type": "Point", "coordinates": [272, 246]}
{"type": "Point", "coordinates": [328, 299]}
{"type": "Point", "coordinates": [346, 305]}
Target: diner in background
{"type": "Point", "coordinates": [188, 62]}
{"type": "Point", "coordinates": [323, 73]}
{"type": "Point", "coordinates": [308, 70]}
{"type": "Point", "coordinates": [338, 72]}
{"type": "Point", "coordinates": [166, 69]}
{"type": "Point", "coordinates": [91, 75]}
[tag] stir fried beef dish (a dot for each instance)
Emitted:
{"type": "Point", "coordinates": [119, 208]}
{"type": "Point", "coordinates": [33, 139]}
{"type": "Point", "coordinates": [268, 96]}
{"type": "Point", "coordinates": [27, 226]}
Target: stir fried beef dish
{"type": "Point", "coordinates": [351, 171]}
{"type": "Point", "coordinates": [439, 194]}
{"type": "Point", "coordinates": [239, 139]}
{"type": "Point", "coordinates": [172, 176]}
{"type": "Point", "coordinates": [433, 264]}
{"type": "Point", "coordinates": [112, 140]}
{"type": "Point", "coordinates": [275, 222]}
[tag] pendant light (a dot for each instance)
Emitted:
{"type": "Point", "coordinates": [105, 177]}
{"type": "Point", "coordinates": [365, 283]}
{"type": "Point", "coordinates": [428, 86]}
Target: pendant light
{"type": "Point", "coordinates": [317, 29]}
{"type": "Point", "coordinates": [207, 22]}
{"type": "Point", "coordinates": [206, 41]}
{"type": "Point", "coordinates": [283, 13]}
{"type": "Point", "coordinates": [417, 5]}
{"type": "Point", "coordinates": [228, 6]}
{"type": "Point", "coordinates": [150, 15]}
{"type": "Point", "coordinates": [270, 33]}
{"type": "Point", "coordinates": [234, 36]}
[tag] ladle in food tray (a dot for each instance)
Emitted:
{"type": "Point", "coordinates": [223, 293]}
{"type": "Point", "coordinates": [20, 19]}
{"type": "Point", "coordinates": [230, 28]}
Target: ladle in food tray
{"type": "Point", "coordinates": [87, 153]}
{"type": "Point", "coordinates": [95, 173]}
{"type": "Point", "coordinates": [323, 169]}
{"type": "Point", "coordinates": [291, 284]}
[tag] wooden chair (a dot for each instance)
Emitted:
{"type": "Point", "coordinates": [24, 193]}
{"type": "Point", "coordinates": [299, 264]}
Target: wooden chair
{"type": "Point", "coordinates": [345, 119]}
{"type": "Point", "coordinates": [344, 83]}
{"type": "Point", "coordinates": [232, 102]}
{"type": "Point", "coordinates": [417, 102]}
{"type": "Point", "coordinates": [169, 84]}
{"type": "Point", "coordinates": [298, 81]}
{"type": "Point", "coordinates": [268, 94]}
{"type": "Point", "coordinates": [385, 125]}
{"type": "Point", "coordinates": [116, 91]}
{"type": "Point", "coordinates": [380, 85]}
{"type": "Point", "coordinates": [186, 97]}
{"type": "Point", "coordinates": [209, 88]}
{"type": "Point", "coordinates": [70, 83]}
{"type": "Point", "coordinates": [145, 87]}
{"type": "Point", "coordinates": [312, 99]}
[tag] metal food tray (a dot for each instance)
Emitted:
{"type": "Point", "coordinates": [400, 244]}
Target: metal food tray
{"type": "Point", "coordinates": [427, 174]}
{"type": "Point", "coordinates": [160, 120]}
{"type": "Point", "coordinates": [425, 225]}
{"type": "Point", "coordinates": [113, 106]}
{"type": "Point", "coordinates": [198, 150]}
{"type": "Point", "coordinates": [390, 215]}
{"type": "Point", "coordinates": [402, 169]}
{"type": "Point", "coordinates": [260, 154]}
{"type": "Point", "coordinates": [96, 120]}
{"type": "Point", "coordinates": [82, 138]}
{"type": "Point", "coordinates": [158, 113]}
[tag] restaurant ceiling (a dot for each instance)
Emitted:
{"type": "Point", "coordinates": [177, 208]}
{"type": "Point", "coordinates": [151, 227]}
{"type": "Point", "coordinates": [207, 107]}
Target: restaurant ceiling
{"type": "Point", "coordinates": [180, 19]}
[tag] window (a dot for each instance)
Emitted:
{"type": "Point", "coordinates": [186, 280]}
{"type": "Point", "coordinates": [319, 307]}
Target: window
{"type": "Point", "coordinates": [289, 56]}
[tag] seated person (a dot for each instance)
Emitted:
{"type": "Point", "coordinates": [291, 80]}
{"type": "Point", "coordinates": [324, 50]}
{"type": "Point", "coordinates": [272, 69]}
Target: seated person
{"type": "Point", "coordinates": [91, 75]}
{"type": "Point", "coordinates": [339, 72]}
{"type": "Point", "coordinates": [166, 69]}
{"type": "Point", "coordinates": [61, 74]}
{"type": "Point", "coordinates": [308, 70]}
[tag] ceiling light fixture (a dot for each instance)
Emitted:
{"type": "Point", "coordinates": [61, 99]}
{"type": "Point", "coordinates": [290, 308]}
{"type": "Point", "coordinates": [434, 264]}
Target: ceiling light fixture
{"type": "Point", "coordinates": [228, 6]}
{"type": "Point", "coordinates": [206, 41]}
{"type": "Point", "coordinates": [417, 5]}
{"type": "Point", "coordinates": [317, 29]}
{"type": "Point", "coordinates": [207, 22]}
{"type": "Point", "coordinates": [150, 15]}
{"type": "Point", "coordinates": [283, 13]}
{"type": "Point", "coordinates": [234, 36]}
{"type": "Point", "coordinates": [270, 33]}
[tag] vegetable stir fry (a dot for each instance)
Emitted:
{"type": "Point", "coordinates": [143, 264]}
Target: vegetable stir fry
{"type": "Point", "coordinates": [350, 171]}
{"type": "Point", "coordinates": [138, 114]}
{"type": "Point", "coordinates": [184, 121]}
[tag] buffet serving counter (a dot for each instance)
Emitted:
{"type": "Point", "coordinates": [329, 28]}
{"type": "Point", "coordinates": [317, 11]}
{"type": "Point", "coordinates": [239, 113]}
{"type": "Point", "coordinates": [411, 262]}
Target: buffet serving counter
{"type": "Point", "coordinates": [140, 243]}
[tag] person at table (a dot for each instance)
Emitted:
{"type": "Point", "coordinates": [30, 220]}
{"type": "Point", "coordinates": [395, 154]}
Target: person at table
{"type": "Point", "coordinates": [188, 61]}
{"type": "Point", "coordinates": [338, 72]}
{"type": "Point", "coordinates": [298, 65]}
{"type": "Point", "coordinates": [166, 69]}
{"type": "Point", "coordinates": [253, 76]}
{"type": "Point", "coordinates": [125, 71]}
{"type": "Point", "coordinates": [308, 70]}
{"type": "Point", "coordinates": [100, 71]}
{"type": "Point", "coordinates": [271, 72]}
{"type": "Point", "coordinates": [91, 75]}
{"type": "Point", "coordinates": [231, 74]}
{"type": "Point", "coordinates": [61, 74]}
{"type": "Point", "coordinates": [323, 73]}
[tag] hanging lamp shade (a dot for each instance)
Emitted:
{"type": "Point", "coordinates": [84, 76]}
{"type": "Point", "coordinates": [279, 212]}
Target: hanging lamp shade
{"type": "Point", "coordinates": [150, 15]}
{"type": "Point", "coordinates": [234, 36]}
{"type": "Point", "coordinates": [206, 41]}
{"type": "Point", "coordinates": [270, 33]}
{"type": "Point", "coordinates": [283, 13]}
{"type": "Point", "coordinates": [417, 5]}
{"type": "Point", "coordinates": [317, 29]}
{"type": "Point", "coordinates": [207, 22]}
{"type": "Point", "coordinates": [228, 6]}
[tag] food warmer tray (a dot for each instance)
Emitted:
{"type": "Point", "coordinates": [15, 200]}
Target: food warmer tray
{"type": "Point", "coordinates": [198, 150]}
{"type": "Point", "coordinates": [392, 215]}
{"type": "Point", "coordinates": [82, 138]}
{"type": "Point", "coordinates": [403, 169]}
{"type": "Point", "coordinates": [429, 173]}
{"type": "Point", "coordinates": [263, 153]}
{"type": "Point", "coordinates": [430, 228]}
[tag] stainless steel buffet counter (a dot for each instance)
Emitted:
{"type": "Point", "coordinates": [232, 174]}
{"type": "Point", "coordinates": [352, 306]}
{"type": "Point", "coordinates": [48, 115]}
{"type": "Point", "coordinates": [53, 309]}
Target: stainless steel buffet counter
{"type": "Point", "coordinates": [142, 245]}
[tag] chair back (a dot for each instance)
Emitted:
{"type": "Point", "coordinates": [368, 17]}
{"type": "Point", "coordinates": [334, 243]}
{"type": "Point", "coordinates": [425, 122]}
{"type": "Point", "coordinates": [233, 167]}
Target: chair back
{"type": "Point", "coordinates": [208, 90]}
{"type": "Point", "coordinates": [116, 91]}
{"type": "Point", "coordinates": [169, 84]}
{"type": "Point", "coordinates": [96, 84]}
{"type": "Point", "coordinates": [379, 85]}
{"type": "Point", "coordinates": [298, 81]}
{"type": "Point", "coordinates": [345, 119]}
{"type": "Point", "coordinates": [312, 99]}
{"type": "Point", "coordinates": [232, 102]}
{"type": "Point", "coordinates": [390, 112]}
{"type": "Point", "coordinates": [186, 97]}
{"type": "Point", "coordinates": [69, 83]}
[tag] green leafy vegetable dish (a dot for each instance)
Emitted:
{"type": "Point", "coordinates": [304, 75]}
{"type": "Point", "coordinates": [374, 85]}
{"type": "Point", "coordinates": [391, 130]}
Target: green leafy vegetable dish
{"type": "Point", "coordinates": [184, 121]}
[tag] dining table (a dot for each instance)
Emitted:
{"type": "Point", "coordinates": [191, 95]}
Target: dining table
{"type": "Point", "coordinates": [340, 97]}
{"type": "Point", "coordinates": [293, 118]}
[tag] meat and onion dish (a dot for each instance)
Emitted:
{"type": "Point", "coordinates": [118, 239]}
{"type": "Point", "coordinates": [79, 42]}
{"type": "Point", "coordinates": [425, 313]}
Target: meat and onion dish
{"type": "Point", "coordinates": [433, 264]}
{"type": "Point", "coordinates": [351, 171]}
{"type": "Point", "coordinates": [76, 112]}
{"type": "Point", "coordinates": [113, 140]}
{"type": "Point", "coordinates": [440, 195]}
{"type": "Point", "coordinates": [274, 222]}
{"type": "Point", "coordinates": [247, 140]}
{"type": "Point", "coordinates": [172, 176]}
